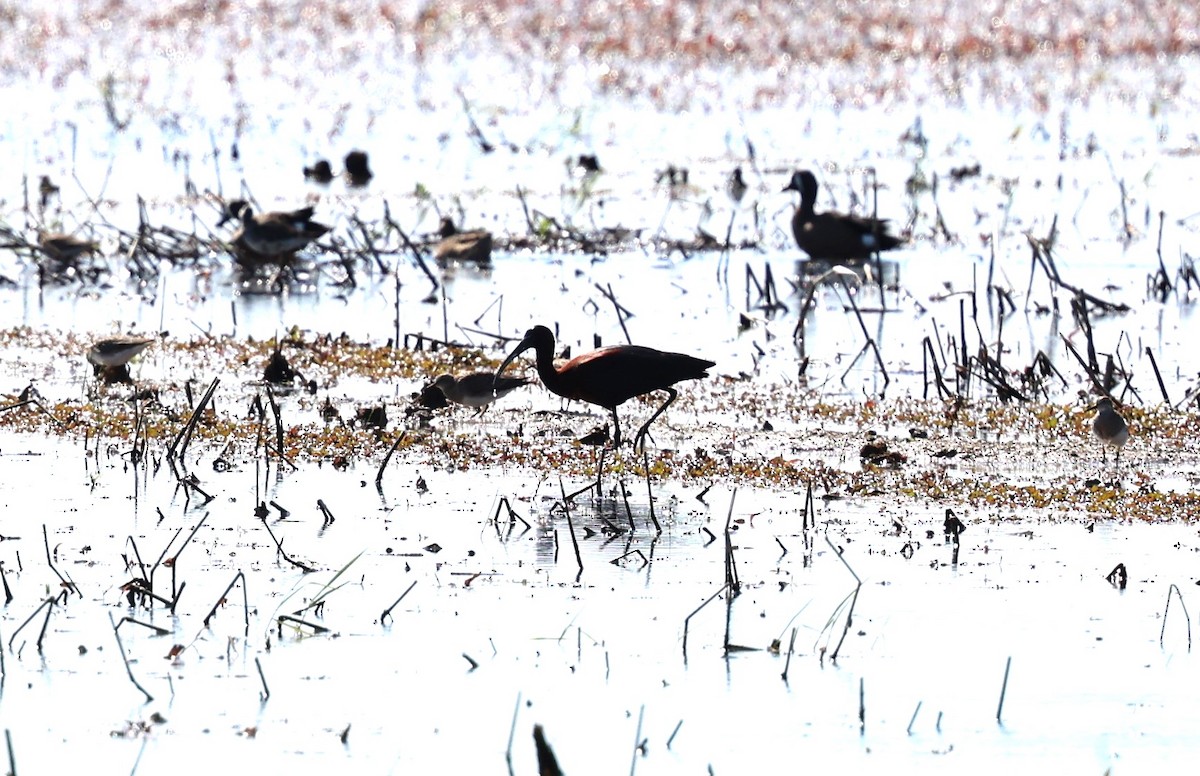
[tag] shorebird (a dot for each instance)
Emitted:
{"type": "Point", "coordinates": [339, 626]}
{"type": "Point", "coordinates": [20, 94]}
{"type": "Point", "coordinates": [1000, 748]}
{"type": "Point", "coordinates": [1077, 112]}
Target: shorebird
{"type": "Point", "coordinates": [1109, 427]}
{"type": "Point", "coordinates": [477, 390]}
{"type": "Point", "coordinates": [834, 236]}
{"type": "Point", "coordinates": [278, 233]}
{"type": "Point", "coordinates": [116, 351]}
{"type": "Point", "coordinates": [470, 246]}
{"type": "Point", "coordinates": [610, 376]}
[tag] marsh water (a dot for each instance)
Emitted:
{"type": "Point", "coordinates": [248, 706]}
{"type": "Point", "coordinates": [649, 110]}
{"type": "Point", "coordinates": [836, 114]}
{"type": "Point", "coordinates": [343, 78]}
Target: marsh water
{"type": "Point", "coordinates": [444, 605]}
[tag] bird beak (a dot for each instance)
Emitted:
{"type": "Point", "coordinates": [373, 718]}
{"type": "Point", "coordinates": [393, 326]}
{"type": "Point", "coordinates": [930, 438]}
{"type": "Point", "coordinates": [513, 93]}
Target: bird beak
{"type": "Point", "coordinates": [524, 345]}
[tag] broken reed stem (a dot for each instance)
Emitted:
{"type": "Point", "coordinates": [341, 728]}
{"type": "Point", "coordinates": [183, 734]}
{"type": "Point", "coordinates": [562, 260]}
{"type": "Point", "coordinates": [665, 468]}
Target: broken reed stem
{"type": "Point", "coordinates": [1157, 375]}
{"type": "Point", "coordinates": [158, 631]}
{"type": "Point", "coordinates": [671, 738]}
{"type": "Point", "coordinates": [388, 611]}
{"type": "Point", "coordinates": [48, 602]}
{"type": "Point", "coordinates": [570, 523]}
{"type": "Point", "coordinates": [184, 437]}
{"type": "Point", "coordinates": [12, 757]}
{"type": "Point", "coordinates": [731, 575]}
{"type": "Point", "coordinates": [512, 730]}
{"type": "Point", "coordinates": [221, 600]}
{"type": "Point", "coordinates": [853, 599]}
{"type": "Point", "coordinates": [913, 721]}
{"type": "Point", "coordinates": [628, 511]}
{"type": "Point", "coordinates": [1003, 690]}
{"type": "Point", "coordinates": [387, 458]}
{"type": "Point", "coordinates": [688, 619]}
{"type": "Point", "coordinates": [69, 585]}
{"type": "Point", "coordinates": [125, 659]}
{"type": "Point", "coordinates": [637, 741]}
{"type": "Point", "coordinates": [1167, 609]}
{"type": "Point", "coordinates": [265, 695]}
{"type": "Point", "coordinates": [787, 663]}
{"type": "Point", "coordinates": [862, 705]}
{"type": "Point", "coordinates": [288, 558]}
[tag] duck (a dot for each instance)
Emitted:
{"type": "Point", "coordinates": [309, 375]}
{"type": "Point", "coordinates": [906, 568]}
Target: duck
{"type": "Point", "coordinates": [64, 248]}
{"type": "Point", "coordinates": [277, 233]}
{"type": "Point", "coordinates": [471, 246]}
{"type": "Point", "coordinates": [835, 236]}
{"type": "Point", "coordinates": [358, 169]}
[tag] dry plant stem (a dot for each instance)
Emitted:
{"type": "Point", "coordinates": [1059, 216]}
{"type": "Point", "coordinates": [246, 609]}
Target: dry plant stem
{"type": "Point", "coordinates": [48, 604]}
{"type": "Point", "coordinates": [157, 630]}
{"type": "Point", "coordinates": [787, 663]}
{"type": "Point", "coordinates": [221, 600]}
{"type": "Point", "coordinates": [288, 558]}
{"type": "Point", "coordinates": [278, 428]}
{"type": "Point", "coordinates": [547, 762]}
{"type": "Point", "coordinates": [413, 249]}
{"type": "Point", "coordinates": [182, 439]}
{"type": "Point", "coordinates": [125, 659]}
{"type": "Point", "coordinates": [913, 721]}
{"type": "Point", "coordinates": [671, 737]}
{"type": "Point", "coordinates": [286, 618]}
{"type": "Point", "coordinates": [265, 695]}
{"type": "Point", "coordinates": [862, 706]}
{"type": "Point", "coordinates": [637, 740]}
{"type": "Point", "coordinates": [731, 575]}
{"type": "Point", "coordinates": [387, 458]}
{"type": "Point", "coordinates": [1167, 609]}
{"type": "Point", "coordinates": [12, 757]}
{"type": "Point", "coordinates": [688, 619]}
{"type": "Point", "coordinates": [470, 660]}
{"type": "Point", "coordinates": [853, 600]}
{"type": "Point", "coordinates": [870, 340]}
{"type": "Point", "coordinates": [622, 312]}
{"type": "Point", "coordinates": [8, 596]}
{"type": "Point", "coordinates": [388, 611]}
{"type": "Point", "coordinates": [1157, 376]}
{"type": "Point", "coordinates": [512, 730]}
{"type": "Point", "coordinates": [570, 524]}
{"type": "Point", "coordinates": [1003, 690]}
{"type": "Point", "coordinates": [69, 585]}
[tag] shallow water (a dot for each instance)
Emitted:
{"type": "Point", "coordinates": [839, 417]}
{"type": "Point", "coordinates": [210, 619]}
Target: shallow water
{"type": "Point", "coordinates": [500, 617]}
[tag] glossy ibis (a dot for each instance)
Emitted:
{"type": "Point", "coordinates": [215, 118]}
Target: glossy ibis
{"type": "Point", "coordinates": [478, 389]}
{"type": "Point", "coordinates": [1109, 427]}
{"type": "Point", "coordinates": [834, 236]}
{"type": "Point", "coordinates": [610, 376]}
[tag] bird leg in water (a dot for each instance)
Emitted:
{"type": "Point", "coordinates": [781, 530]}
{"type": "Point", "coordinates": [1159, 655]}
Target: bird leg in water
{"type": "Point", "coordinates": [641, 434]}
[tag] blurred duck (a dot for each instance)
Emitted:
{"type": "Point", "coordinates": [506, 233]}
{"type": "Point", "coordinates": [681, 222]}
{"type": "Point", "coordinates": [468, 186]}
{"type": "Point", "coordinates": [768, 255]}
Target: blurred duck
{"type": "Point", "coordinates": [835, 236]}
{"type": "Point", "coordinates": [320, 172]}
{"type": "Point", "coordinates": [276, 233]}
{"type": "Point", "coordinates": [358, 168]}
{"type": "Point", "coordinates": [64, 247]}
{"type": "Point", "coordinates": [472, 246]}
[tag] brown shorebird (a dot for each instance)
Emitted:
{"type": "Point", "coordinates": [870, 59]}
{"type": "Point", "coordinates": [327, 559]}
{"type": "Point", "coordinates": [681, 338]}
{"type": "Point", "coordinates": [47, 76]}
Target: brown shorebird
{"type": "Point", "coordinates": [1109, 427]}
{"type": "Point", "coordinates": [65, 248]}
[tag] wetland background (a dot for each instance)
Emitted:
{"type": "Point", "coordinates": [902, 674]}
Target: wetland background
{"type": "Point", "coordinates": [988, 136]}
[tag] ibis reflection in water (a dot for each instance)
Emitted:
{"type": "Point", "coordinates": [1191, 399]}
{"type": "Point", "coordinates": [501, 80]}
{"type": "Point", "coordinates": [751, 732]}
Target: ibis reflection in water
{"type": "Point", "coordinates": [610, 376]}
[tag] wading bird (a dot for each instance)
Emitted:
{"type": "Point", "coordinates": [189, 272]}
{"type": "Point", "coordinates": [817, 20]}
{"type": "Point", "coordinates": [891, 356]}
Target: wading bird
{"type": "Point", "coordinates": [110, 356]}
{"type": "Point", "coordinates": [1109, 427]}
{"type": "Point", "coordinates": [64, 248]}
{"type": "Point", "coordinates": [610, 376]}
{"type": "Point", "coordinates": [834, 236]}
{"type": "Point", "coordinates": [478, 389]}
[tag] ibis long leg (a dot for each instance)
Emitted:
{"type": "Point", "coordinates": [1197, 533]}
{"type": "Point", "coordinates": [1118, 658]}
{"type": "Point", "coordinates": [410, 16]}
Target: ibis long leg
{"type": "Point", "coordinates": [641, 434]}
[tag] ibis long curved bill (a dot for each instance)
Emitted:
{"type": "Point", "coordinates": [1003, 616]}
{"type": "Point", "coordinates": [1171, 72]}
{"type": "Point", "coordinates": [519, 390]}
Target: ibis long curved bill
{"type": "Point", "coordinates": [608, 377]}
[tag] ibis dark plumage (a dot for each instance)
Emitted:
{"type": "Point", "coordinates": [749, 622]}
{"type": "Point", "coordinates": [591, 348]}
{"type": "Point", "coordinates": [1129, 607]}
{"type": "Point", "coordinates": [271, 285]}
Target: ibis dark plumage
{"type": "Point", "coordinates": [610, 376]}
{"type": "Point", "coordinates": [834, 236]}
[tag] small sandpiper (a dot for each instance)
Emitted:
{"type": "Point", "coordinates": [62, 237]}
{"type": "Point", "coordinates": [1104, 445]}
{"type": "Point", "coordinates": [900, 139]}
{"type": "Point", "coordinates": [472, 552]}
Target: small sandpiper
{"type": "Point", "coordinates": [478, 389]}
{"type": "Point", "coordinates": [1109, 427]}
{"type": "Point", "coordinates": [110, 356]}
